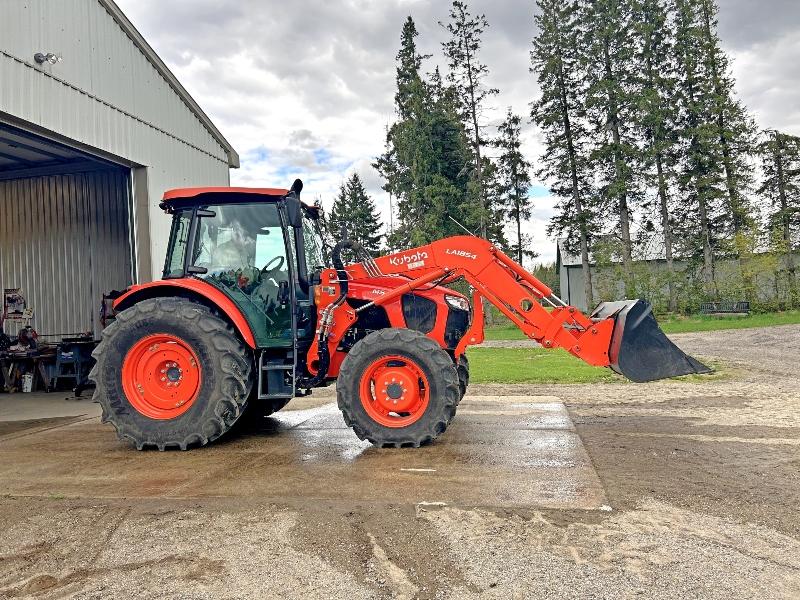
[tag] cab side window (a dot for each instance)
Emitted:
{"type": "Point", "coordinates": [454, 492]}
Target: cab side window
{"type": "Point", "coordinates": [242, 250]}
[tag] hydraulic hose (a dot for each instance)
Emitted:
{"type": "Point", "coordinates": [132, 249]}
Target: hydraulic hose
{"type": "Point", "coordinates": [326, 318]}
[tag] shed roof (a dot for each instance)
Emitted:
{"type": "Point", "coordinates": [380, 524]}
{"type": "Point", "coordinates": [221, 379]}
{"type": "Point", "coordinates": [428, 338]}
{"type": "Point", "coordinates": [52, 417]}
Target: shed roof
{"type": "Point", "coordinates": [136, 37]}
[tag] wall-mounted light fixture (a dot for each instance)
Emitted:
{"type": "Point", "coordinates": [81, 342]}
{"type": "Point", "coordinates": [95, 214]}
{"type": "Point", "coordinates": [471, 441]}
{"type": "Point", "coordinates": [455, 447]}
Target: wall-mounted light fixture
{"type": "Point", "coordinates": [49, 57]}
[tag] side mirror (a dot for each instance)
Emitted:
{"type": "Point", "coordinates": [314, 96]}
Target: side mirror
{"type": "Point", "coordinates": [294, 214]}
{"type": "Point", "coordinates": [293, 210]}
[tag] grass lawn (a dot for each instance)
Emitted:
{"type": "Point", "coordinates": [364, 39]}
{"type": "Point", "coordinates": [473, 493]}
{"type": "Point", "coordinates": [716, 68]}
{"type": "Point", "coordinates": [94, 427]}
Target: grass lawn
{"type": "Point", "coordinates": [532, 365]}
{"type": "Point", "coordinates": [679, 324]}
{"type": "Point", "coordinates": [537, 365]}
{"type": "Point", "coordinates": [708, 323]}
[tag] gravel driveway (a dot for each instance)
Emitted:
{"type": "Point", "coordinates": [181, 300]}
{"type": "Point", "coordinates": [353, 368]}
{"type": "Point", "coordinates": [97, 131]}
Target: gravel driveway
{"type": "Point", "coordinates": [699, 480]}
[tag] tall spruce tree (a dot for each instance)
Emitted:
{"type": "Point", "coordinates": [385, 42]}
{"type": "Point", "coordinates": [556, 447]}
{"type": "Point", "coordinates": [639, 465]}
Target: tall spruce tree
{"type": "Point", "coordinates": [356, 211]}
{"type": "Point", "coordinates": [654, 41]}
{"type": "Point", "coordinates": [514, 180]}
{"type": "Point", "coordinates": [700, 220]}
{"type": "Point", "coordinates": [718, 138]}
{"type": "Point", "coordinates": [409, 63]}
{"type": "Point", "coordinates": [780, 159]}
{"type": "Point", "coordinates": [735, 128]}
{"type": "Point", "coordinates": [427, 153]}
{"type": "Point", "coordinates": [606, 31]}
{"type": "Point", "coordinates": [467, 76]}
{"type": "Point", "coordinates": [559, 112]}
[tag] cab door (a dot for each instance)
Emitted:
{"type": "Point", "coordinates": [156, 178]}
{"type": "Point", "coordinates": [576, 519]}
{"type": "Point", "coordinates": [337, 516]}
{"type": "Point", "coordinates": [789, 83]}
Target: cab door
{"type": "Point", "coordinates": [242, 250]}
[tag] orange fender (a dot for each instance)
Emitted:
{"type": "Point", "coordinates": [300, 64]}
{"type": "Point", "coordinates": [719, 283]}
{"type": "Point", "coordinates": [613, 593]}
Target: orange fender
{"type": "Point", "coordinates": [166, 287]}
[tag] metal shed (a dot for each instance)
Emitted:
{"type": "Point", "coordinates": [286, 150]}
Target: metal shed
{"type": "Point", "coordinates": [93, 128]}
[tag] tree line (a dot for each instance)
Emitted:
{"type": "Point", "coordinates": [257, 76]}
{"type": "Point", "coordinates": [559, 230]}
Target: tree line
{"type": "Point", "coordinates": [647, 149]}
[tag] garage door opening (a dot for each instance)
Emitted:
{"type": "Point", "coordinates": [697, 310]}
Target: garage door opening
{"type": "Point", "coordinates": [65, 234]}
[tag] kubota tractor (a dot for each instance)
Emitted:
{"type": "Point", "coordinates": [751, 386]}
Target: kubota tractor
{"type": "Point", "coordinates": [251, 312]}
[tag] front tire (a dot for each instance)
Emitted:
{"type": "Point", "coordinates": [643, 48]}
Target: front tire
{"type": "Point", "coordinates": [169, 373]}
{"type": "Point", "coordinates": [397, 388]}
{"type": "Point", "coordinates": [462, 367]}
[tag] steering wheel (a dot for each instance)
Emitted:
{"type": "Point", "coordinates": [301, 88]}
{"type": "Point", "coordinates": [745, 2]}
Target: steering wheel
{"type": "Point", "coordinates": [268, 268]}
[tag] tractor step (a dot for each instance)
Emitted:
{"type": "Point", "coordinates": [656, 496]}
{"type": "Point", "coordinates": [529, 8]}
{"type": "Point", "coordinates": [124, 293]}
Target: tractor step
{"type": "Point", "coordinates": [275, 376]}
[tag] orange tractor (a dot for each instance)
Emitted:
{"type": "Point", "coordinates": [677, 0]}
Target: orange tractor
{"type": "Point", "coordinates": [254, 309]}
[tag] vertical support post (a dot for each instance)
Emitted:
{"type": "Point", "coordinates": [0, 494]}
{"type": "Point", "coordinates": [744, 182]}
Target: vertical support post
{"type": "Point", "coordinates": [139, 219]}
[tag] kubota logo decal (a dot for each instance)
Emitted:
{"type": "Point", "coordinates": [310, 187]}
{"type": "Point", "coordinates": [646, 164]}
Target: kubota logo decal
{"type": "Point", "coordinates": [462, 254]}
{"type": "Point", "coordinates": [411, 260]}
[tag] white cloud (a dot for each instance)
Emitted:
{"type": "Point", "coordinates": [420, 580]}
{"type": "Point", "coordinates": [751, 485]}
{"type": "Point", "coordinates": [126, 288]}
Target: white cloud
{"type": "Point", "coordinates": [767, 74]}
{"type": "Point", "coordinates": [305, 88]}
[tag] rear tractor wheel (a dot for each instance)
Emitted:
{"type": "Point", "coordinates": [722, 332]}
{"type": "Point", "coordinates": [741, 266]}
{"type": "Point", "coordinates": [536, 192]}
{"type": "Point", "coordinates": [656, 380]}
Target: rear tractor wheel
{"type": "Point", "coordinates": [397, 388]}
{"type": "Point", "coordinates": [171, 374]}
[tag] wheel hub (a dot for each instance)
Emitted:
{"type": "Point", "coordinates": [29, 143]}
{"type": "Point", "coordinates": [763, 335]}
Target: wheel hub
{"type": "Point", "coordinates": [161, 376]}
{"type": "Point", "coordinates": [394, 391]}
{"type": "Point", "coordinates": [174, 374]}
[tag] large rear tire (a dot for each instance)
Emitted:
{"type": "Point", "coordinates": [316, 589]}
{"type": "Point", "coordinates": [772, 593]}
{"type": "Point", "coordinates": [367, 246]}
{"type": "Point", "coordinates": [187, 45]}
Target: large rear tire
{"type": "Point", "coordinates": [169, 373]}
{"type": "Point", "coordinates": [397, 388]}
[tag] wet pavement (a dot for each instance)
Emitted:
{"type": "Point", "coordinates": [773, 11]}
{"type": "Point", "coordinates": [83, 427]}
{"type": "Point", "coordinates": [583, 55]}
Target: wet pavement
{"type": "Point", "coordinates": [509, 451]}
{"type": "Point", "coordinates": [701, 477]}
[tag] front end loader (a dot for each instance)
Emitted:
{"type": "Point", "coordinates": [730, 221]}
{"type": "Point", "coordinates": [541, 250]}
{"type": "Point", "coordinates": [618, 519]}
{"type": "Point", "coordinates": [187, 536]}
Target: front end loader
{"type": "Point", "coordinates": [254, 309]}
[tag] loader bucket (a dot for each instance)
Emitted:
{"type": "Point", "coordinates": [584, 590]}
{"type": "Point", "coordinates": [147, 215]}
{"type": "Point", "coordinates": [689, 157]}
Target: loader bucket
{"type": "Point", "coordinates": [639, 349]}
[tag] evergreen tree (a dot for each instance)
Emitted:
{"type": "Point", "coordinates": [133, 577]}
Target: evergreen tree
{"type": "Point", "coordinates": [514, 181]}
{"type": "Point", "coordinates": [559, 112]}
{"type": "Point", "coordinates": [780, 158]}
{"type": "Point", "coordinates": [735, 128]}
{"type": "Point", "coordinates": [356, 211]}
{"type": "Point", "coordinates": [467, 75]}
{"type": "Point", "coordinates": [497, 208]}
{"type": "Point", "coordinates": [425, 164]}
{"type": "Point", "coordinates": [700, 221]}
{"type": "Point", "coordinates": [657, 126]}
{"type": "Point", "coordinates": [605, 46]}
{"type": "Point", "coordinates": [717, 136]}
{"type": "Point", "coordinates": [408, 69]}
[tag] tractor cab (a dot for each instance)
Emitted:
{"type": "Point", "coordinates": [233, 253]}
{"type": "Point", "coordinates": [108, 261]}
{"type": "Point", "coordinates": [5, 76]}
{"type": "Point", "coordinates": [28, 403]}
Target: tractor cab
{"type": "Point", "coordinates": [262, 248]}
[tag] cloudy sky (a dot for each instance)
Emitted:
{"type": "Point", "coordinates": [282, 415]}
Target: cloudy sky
{"type": "Point", "coordinates": [305, 88]}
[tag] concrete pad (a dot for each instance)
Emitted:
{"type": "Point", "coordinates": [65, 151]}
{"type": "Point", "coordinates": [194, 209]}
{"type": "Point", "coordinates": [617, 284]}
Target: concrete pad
{"type": "Point", "coordinates": [24, 407]}
{"type": "Point", "coordinates": [499, 451]}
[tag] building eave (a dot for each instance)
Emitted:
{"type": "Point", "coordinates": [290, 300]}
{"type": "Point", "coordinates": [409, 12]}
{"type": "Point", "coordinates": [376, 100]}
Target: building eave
{"type": "Point", "coordinates": [137, 38]}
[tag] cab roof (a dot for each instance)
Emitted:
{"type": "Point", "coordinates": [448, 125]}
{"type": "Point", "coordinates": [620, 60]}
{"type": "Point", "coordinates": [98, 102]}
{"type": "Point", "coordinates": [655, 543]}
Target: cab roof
{"type": "Point", "coordinates": [183, 197]}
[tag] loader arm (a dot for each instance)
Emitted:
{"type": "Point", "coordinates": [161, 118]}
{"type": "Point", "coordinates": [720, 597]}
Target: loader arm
{"type": "Point", "coordinates": [620, 335]}
{"type": "Point", "coordinates": [504, 283]}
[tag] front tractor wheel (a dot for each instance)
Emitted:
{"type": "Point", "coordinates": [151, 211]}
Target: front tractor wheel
{"type": "Point", "coordinates": [171, 374]}
{"type": "Point", "coordinates": [397, 388]}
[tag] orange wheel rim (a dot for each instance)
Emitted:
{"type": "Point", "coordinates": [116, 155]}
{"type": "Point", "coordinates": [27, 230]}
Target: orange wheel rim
{"type": "Point", "coordinates": [161, 376]}
{"type": "Point", "coordinates": [394, 391]}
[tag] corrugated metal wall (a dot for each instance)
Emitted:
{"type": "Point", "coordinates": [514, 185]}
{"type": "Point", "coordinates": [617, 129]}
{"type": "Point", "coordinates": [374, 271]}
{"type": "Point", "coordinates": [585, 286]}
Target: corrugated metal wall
{"type": "Point", "coordinates": [103, 88]}
{"type": "Point", "coordinates": [65, 240]}
{"type": "Point", "coordinates": [106, 94]}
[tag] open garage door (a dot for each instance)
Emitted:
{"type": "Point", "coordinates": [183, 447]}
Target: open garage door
{"type": "Point", "coordinates": [64, 232]}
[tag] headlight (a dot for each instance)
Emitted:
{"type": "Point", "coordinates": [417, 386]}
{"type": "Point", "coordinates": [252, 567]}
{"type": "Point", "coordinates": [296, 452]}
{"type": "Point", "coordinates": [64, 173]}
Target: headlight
{"type": "Point", "coordinates": [457, 302]}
